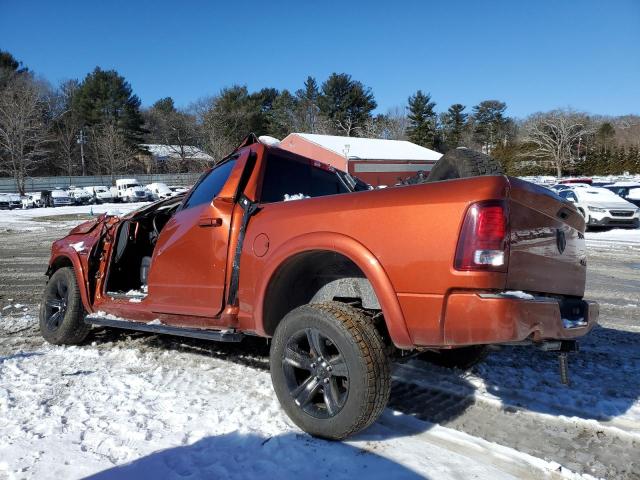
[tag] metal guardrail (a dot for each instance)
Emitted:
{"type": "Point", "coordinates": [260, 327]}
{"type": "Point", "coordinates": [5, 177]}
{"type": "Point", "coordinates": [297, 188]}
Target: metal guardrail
{"type": "Point", "coordinates": [36, 184]}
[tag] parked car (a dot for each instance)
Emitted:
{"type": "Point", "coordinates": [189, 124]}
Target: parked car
{"type": "Point", "coordinates": [160, 191]}
{"type": "Point", "coordinates": [131, 190]}
{"type": "Point", "coordinates": [630, 191]}
{"type": "Point", "coordinates": [35, 200]}
{"type": "Point", "coordinates": [274, 244]}
{"type": "Point", "coordinates": [80, 196]}
{"type": "Point", "coordinates": [603, 208]}
{"type": "Point", "coordinates": [10, 201]}
{"type": "Point", "coordinates": [100, 193]}
{"type": "Point", "coordinates": [28, 201]}
{"type": "Point", "coordinates": [59, 198]}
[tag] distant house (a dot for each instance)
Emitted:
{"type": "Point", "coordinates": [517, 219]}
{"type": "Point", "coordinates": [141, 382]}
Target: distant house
{"type": "Point", "coordinates": [373, 160]}
{"type": "Point", "coordinates": [161, 158]}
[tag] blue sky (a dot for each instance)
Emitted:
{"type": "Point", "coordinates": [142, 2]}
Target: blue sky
{"type": "Point", "coordinates": [534, 55]}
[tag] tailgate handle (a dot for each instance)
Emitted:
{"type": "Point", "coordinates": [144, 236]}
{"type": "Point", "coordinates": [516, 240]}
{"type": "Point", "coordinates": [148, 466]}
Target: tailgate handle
{"type": "Point", "coordinates": [209, 222]}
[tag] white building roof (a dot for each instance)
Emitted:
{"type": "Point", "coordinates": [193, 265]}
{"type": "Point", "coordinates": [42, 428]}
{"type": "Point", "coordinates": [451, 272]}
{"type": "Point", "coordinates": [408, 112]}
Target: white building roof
{"type": "Point", "coordinates": [173, 151]}
{"type": "Point", "coordinates": [372, 148]}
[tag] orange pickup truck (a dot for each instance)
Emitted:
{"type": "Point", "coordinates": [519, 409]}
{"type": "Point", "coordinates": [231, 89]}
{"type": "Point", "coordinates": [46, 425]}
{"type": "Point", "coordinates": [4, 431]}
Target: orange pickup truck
{"type": "Point", "coordinates": [273, 244]}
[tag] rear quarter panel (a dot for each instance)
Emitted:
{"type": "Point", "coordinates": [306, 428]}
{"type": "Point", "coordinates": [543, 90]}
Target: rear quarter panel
{"type": "Point", "coordinates": [411, 231]}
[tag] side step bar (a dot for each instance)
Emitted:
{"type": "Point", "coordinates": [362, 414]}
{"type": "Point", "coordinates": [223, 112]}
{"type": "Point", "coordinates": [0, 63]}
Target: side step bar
{"type": "Point", "coordinates": [216, 335]}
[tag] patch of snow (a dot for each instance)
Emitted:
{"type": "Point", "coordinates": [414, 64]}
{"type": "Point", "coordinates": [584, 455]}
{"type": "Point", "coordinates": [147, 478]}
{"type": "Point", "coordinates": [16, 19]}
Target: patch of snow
{"type": "Point", "coordinates": [295, 196]}
{"type": "Point", "coordinates": [176, 151]}
{"type": "Point", "coordinates": [106, 316]}
{"type": "Point", "coordinates": [155, 322]}
{"type": "Point", "coordinates": [136, 293]}
{"type": "Point", "coordinates": [267, 140]}
{"type": "Point", "coordinates": [78, 247]}
{"type": "Point", "coordinates": [35, 219]}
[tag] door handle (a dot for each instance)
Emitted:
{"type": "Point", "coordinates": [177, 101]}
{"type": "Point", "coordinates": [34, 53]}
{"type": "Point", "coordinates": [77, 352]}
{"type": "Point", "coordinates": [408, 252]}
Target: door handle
{"type": "Point", "coordinates": [209, 222]}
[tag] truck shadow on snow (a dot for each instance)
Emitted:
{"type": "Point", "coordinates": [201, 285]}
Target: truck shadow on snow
{"type": "Point", "coordinates": [605, 376]}
{"type": "Point", "coordinates": [284, 456]}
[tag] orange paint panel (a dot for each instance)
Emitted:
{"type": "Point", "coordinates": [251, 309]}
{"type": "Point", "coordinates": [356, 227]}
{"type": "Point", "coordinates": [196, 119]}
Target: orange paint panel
{"type": "Point", "coordinates": [471, 319]}
{"type": "Point", "coordinates": [423, 315]}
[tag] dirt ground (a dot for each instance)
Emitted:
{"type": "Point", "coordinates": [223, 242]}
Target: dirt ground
{"type": "Point", "coordinates": [527, 418]}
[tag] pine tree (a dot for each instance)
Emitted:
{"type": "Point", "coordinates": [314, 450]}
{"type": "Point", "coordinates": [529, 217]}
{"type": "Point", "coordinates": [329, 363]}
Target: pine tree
{"type": "Point", "coordinates": [453, 125]}
{"type": "Point", "coordinates": [259, 107]}
{"type": "Point", "coordinates": [105, 97]}
{"type": "Point", "coordinates": [282, 117]}
{"type": "Point", "coordinates": [605, 135]}
{"type": "Point", "coordinates": [490, 123]}
{"type": "Point", "coordinates": [346, 103]}
{"type": "Point", "coordinates": [9, 66]}
{"type": "Point", "coordinates": [164, 105]}
{"type": "Point", "coordinates": [308, 111]}
{"type": "Point", "coordinates": [422, 120]}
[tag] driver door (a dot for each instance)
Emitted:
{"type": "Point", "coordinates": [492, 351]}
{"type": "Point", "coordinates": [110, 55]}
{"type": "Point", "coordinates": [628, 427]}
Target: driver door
{"type": "Point", "coordinates": [187, 273]}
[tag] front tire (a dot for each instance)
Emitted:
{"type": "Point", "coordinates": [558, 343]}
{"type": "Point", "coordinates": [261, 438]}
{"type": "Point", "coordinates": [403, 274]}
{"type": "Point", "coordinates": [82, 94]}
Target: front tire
{"type": "Point", "coordinates": [330, 370]}
{"type": "Point", "coordinates": [61, 310]}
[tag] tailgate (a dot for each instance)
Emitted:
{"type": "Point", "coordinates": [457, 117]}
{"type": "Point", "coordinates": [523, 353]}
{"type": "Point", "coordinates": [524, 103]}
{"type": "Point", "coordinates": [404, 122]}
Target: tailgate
{"type": "Point", "coordinates": [547, 249]}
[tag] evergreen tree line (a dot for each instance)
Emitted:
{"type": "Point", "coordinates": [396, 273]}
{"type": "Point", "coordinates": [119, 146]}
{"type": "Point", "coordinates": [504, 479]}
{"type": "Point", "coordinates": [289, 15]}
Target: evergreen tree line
{"type": "Point", "coordinates": [96, 126]}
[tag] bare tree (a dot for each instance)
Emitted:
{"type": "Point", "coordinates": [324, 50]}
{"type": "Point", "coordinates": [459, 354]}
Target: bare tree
{"type": "Point", "coordinates": [24, 133]}
{"type": "Point", "coordinates": [347, 126]}
{"type": "Point", "coordinates": [555, 134]}
{"type": "Point", "coordinates": [212, 128]}
{"type": "Point", "coordinates": [113, 151]}
{"type": "Point", "coordinates": [66, 137]}
{"type": "Point", "coordinates": [66, 127]}
{"type": "Point", "coordinates": [396, 124]}
{"type": "Point", "coordinates": [627, 130]}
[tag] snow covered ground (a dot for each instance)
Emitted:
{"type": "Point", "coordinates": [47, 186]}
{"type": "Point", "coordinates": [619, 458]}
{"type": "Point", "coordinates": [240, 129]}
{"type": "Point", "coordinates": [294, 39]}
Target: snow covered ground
{"type": "Point", "coordinates": [116, 410]}
{"type": "Point", "coordinates": [34, 219]}
{"type": "Point", "coordinates": [617, 237]}
{"type": "Point", "coordinates": [129, 405]}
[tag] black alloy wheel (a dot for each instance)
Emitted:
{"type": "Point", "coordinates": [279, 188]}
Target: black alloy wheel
{"type": "Point", "coordinates": [316, 374]}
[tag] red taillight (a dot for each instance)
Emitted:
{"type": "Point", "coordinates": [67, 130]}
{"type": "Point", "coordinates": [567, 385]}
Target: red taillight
{"type": "Point", "coordinates": [484, 239]}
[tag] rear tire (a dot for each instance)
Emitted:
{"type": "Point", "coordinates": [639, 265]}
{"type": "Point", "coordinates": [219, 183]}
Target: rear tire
{"type": "Point", "coordinates": [463, 163]}
{"type": "Point", "coordinates": [463, 358]}
{"type": "Point", "coordinates": [61, 311]}
{"type": "Point", "coordinates": [330, 370]}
